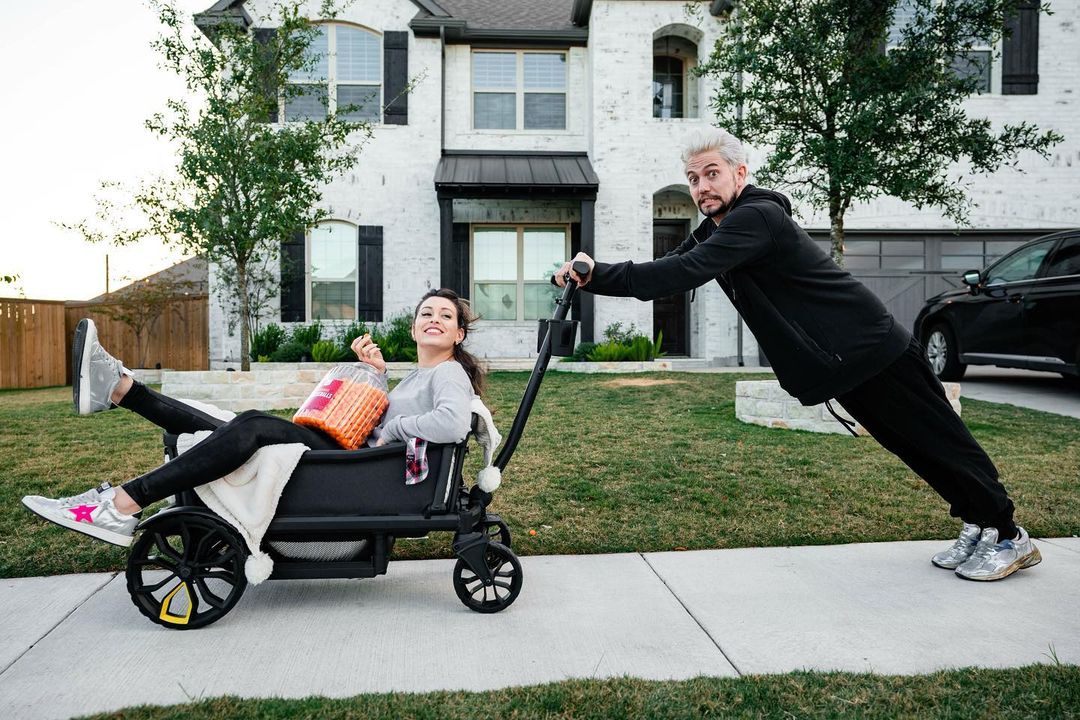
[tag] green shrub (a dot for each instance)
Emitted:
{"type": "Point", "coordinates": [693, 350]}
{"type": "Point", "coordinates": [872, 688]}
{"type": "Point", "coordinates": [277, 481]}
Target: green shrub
{"type": "Point", "coordinates": [350, 333]}
{"type": "Point", "coordinates": [266, 341]}
{"type": "Point", "coordinates": [582, 350]}
{"type": "Point", "coordinates": [607, 352]}
{"type": "Point", "coordinates": [328, 351]}
{"type": "Point", "coordinates": [638, 348]}
{"type": "Point", "coordinates": [614, 333]}
{"type": "Point", "coordinates": [395, 339]}
{"type": "Point", "coordinates": [306, 335]}
{"type": "Point", "coordinates": [291, 351]}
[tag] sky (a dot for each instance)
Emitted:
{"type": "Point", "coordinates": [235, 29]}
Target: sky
{"type": "Point", "coordinates": [80, 79]}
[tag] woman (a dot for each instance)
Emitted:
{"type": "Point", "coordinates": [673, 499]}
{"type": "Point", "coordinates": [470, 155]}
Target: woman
{"type": "Point", "coordinates": [432, 402]}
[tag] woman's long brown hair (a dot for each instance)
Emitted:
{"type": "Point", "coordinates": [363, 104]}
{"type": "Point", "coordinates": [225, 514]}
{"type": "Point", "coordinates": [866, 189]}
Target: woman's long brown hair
{"type": "Point", "coordinates": [466, 319]}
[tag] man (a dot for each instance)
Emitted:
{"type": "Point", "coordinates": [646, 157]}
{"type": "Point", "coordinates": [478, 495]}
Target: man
{"type": "Point", "coordinates": [827, 336]}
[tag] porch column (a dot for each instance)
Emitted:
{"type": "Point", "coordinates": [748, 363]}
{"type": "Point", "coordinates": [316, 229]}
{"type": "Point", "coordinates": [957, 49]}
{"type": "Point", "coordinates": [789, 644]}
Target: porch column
{"type": "Point", "coordinates": [446, 248]}
{"type": "Point", "coordinates": [588, 246]}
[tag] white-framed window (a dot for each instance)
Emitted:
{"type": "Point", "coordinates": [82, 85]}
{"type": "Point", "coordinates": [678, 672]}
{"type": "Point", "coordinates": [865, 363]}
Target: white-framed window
{"type": "Point", "coordinates": [511, 267]}
{"type": "Point", "coordinates": [332, 266]}
{"type": "Point", "coordinates": [976, 62]}
{"type": "Point", "coordinates": [347, 76]}
{"type": "Point", "coordinates": [519, 90]}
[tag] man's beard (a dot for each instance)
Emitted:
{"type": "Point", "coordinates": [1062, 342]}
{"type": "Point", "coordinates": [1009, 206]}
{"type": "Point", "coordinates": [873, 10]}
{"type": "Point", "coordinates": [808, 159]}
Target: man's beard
{"type": "Point", "coordinates": [720, 209]}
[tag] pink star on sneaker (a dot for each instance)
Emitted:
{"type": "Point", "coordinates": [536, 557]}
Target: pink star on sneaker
{"type": "Point", "coordinates": [82, 513]}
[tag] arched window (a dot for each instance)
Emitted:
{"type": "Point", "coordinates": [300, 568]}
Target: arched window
{"type": "Point", "coordinates": [674, 88]}
{"type": "Point", "coordinates": [346, 78]}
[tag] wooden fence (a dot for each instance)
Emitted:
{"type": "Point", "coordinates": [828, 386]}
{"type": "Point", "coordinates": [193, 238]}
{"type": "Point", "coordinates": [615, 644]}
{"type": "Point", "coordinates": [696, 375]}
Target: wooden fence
{"type": "Point", "coordinates": [32, 344]}
{"type": "Point", "coordinates": [35, 339]}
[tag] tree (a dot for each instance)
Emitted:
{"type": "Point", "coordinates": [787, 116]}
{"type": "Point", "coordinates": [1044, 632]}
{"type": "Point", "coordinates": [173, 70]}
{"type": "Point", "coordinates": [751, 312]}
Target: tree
{"type": "Point", "coordinates": [243, 183]}
{"type": "Point", "coordinates": [140, 304]}
{"type": "Point", "coordinates": [851, 114]}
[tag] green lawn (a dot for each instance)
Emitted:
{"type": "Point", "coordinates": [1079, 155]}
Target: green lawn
{"type": "Point", "coordinates": [603, 466]}
{"type": "Point", "coordinates": [1031, 693]}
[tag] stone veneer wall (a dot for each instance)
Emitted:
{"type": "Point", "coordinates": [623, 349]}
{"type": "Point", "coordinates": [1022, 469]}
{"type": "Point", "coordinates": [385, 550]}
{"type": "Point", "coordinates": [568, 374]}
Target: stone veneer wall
{"type": "Point", "coordinates": [268, 386]}
{"type": "Point", "coordinates": [764, 402]}
{"type": "Point", "coordinates": [274, 386]}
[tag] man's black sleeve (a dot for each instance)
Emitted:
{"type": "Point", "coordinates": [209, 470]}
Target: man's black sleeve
{"type": "Point", "coordinates": [742, 237]}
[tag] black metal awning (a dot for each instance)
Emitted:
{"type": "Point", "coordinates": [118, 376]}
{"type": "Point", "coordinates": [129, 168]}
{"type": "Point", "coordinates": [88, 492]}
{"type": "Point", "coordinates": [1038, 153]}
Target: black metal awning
{"type": "Point", "coordinates": [524, 174]}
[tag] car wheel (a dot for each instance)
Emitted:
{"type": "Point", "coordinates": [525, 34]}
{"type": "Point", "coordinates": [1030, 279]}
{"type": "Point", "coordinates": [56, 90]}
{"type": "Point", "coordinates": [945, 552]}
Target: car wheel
{"type": "Point", "coordinates": [940, 348]}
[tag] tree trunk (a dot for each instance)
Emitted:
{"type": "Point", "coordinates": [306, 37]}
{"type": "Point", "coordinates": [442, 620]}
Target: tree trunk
{"type": "Point", "coordinates": [836, 231]}
{"type": "Point", "coordinates": [245, 328]}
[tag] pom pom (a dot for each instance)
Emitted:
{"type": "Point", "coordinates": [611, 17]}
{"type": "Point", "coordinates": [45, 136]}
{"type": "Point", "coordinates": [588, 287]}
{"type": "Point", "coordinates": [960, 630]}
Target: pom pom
{"type": "Point", "coordinates": [489, 478]}
{"type": "Point", "coordinates": [258, 567]}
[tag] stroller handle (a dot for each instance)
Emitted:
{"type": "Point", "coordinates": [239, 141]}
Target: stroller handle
{"type": "Point", "coordinates": [562, 307]}
{"type": "Point", "coordinates": [580, 267]}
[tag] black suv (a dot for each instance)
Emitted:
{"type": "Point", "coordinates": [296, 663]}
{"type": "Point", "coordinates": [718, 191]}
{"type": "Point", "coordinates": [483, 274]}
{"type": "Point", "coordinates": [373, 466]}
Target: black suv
{"type": "Point", "coordinates": [1021, 312]}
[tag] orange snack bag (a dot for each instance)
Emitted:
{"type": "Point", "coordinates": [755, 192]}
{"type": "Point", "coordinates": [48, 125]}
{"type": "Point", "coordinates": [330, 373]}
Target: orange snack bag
{"type": "Point", "coordinates": [347, 404]}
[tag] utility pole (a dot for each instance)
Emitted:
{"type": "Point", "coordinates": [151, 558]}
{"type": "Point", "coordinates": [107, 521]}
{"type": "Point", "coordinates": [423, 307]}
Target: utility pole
{"type": "Point", "coordinates": [106, 273]}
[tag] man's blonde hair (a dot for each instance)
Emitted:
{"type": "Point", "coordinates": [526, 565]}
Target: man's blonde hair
{"type": "Point", "coordinates": [718, 141]}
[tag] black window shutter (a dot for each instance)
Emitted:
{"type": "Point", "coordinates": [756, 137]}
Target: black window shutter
{"type": "Point", "coordinates": [265, 37]}
{"type": "Point", "coordinates": [293, 274]}
{"type": "Point", "coordinates": [459, 276]}
{"type": "Point", "coordinates": [1020, 51]}
{"type": "Point", "coordinates": [396, 77]}
{"type": "Point", "coordinates": [370, 274]}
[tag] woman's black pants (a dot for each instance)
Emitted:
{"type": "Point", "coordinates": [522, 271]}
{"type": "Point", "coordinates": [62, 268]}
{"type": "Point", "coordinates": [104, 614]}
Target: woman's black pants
{"type": "Point", "coordinates": [905, 409]}
{"type": "Point", "coordinates": [228, 447]}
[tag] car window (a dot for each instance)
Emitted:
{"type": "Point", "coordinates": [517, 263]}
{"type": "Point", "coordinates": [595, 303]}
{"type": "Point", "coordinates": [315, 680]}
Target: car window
{"type": "Point", "coordinates": [1066, 259]}
{"type": "Point", "coordinates": [1021, 265]}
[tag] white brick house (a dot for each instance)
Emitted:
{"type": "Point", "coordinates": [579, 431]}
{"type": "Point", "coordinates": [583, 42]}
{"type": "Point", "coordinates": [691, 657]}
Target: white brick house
{"type": "Point", "coordinates": [537, 128]}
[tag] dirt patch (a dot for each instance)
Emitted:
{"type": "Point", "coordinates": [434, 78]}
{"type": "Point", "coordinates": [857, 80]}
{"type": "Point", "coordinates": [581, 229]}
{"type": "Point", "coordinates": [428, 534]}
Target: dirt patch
{"type": "Point", "coordinates": [639, 382]}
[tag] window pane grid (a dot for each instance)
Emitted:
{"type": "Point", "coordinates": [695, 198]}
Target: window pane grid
{"type": "Point", "coordinates": [494, 71]}
{"type": "Point", "coordinates": [511, 267]}
{"type": "Point", "coordinates": [352, 82]}
{"type": "Point", "coordinates": [503, 85]}
{"type": "Point", "coordinates": [545, 111]}
{"type": "Point", "coordinates": [358, 55]}
{"type": "Point", "coordinates": [545, 71]}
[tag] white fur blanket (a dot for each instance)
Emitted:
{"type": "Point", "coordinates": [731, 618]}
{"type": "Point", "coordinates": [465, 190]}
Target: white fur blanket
{"type": "Point", "coordinates": [247, 498]}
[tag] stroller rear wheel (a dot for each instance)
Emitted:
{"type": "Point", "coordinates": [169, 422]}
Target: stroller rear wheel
{"type": "Point", "coordinates": [186, 570]}
{"type": "Point", "coordinates": [505, 583]}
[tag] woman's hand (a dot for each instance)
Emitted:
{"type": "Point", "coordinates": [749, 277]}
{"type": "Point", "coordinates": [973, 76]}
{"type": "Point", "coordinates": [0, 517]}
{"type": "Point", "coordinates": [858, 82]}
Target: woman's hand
{"type": "Point", "coordinates": [368, 352]}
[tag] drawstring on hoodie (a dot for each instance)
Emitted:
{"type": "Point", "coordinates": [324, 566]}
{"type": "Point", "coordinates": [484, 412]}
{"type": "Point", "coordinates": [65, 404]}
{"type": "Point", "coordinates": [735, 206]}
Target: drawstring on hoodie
{"type": "Point", "coordinates": [848, 424]}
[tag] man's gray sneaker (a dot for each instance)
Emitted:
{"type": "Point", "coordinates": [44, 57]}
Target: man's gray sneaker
{"type": "Point", "coordinates": [993, 560]}
{"type": "Point", "coordinates": [961, 550]}
{"type": "Point", "coordinates": [91, 513]}
{"type": "Point", "coordinates": [95, 373]}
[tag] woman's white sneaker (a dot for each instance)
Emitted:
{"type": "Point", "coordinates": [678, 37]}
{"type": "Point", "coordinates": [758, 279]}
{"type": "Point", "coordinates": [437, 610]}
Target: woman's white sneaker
{"type": "Point", "coordinates": [95, 373]}
{"type": "Point", "coordinates": [91, 513]}
{"type": "Point", "coordinates": [993, 560]}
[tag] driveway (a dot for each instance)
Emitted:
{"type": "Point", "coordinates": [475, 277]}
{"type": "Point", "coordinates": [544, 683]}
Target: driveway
{"type": "Point", "coordinates": [1024, 388]}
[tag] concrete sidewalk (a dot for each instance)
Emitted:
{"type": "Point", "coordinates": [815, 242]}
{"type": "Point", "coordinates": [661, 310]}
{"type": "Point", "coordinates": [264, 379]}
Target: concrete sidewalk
{"type": "Point", "coordinates": [75, 644]}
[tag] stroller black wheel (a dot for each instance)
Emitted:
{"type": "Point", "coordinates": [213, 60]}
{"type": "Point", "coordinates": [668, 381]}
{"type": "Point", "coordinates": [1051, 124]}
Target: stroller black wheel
{"type": "Point", "coordinates": [506, 575]}
{"type": "Point", "coordinates": [497, 530]}
{"type": "Point", "coordinates": [186, 571]}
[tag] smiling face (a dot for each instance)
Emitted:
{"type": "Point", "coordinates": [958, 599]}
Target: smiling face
{"type": "Point", "coordinates": [714, 184]}
{"type": "Point", "coordinates": [436, 328]}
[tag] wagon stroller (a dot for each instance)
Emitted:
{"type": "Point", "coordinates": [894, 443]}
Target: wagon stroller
{"type": "Point", "coordinates": [338, 517]}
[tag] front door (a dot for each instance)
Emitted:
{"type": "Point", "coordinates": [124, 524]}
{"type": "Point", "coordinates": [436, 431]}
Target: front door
{"type": "Point", "coordinates": [671, 315]}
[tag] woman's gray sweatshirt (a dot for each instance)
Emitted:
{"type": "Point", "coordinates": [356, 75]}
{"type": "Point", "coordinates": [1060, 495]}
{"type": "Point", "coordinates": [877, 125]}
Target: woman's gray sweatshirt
{"type": "Point", "coordinates": [430, 403]}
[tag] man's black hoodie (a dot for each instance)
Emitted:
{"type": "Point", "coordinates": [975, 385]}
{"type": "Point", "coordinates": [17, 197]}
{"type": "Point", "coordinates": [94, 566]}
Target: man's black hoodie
{"type": "Point", "coordinates": [822, 330]}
